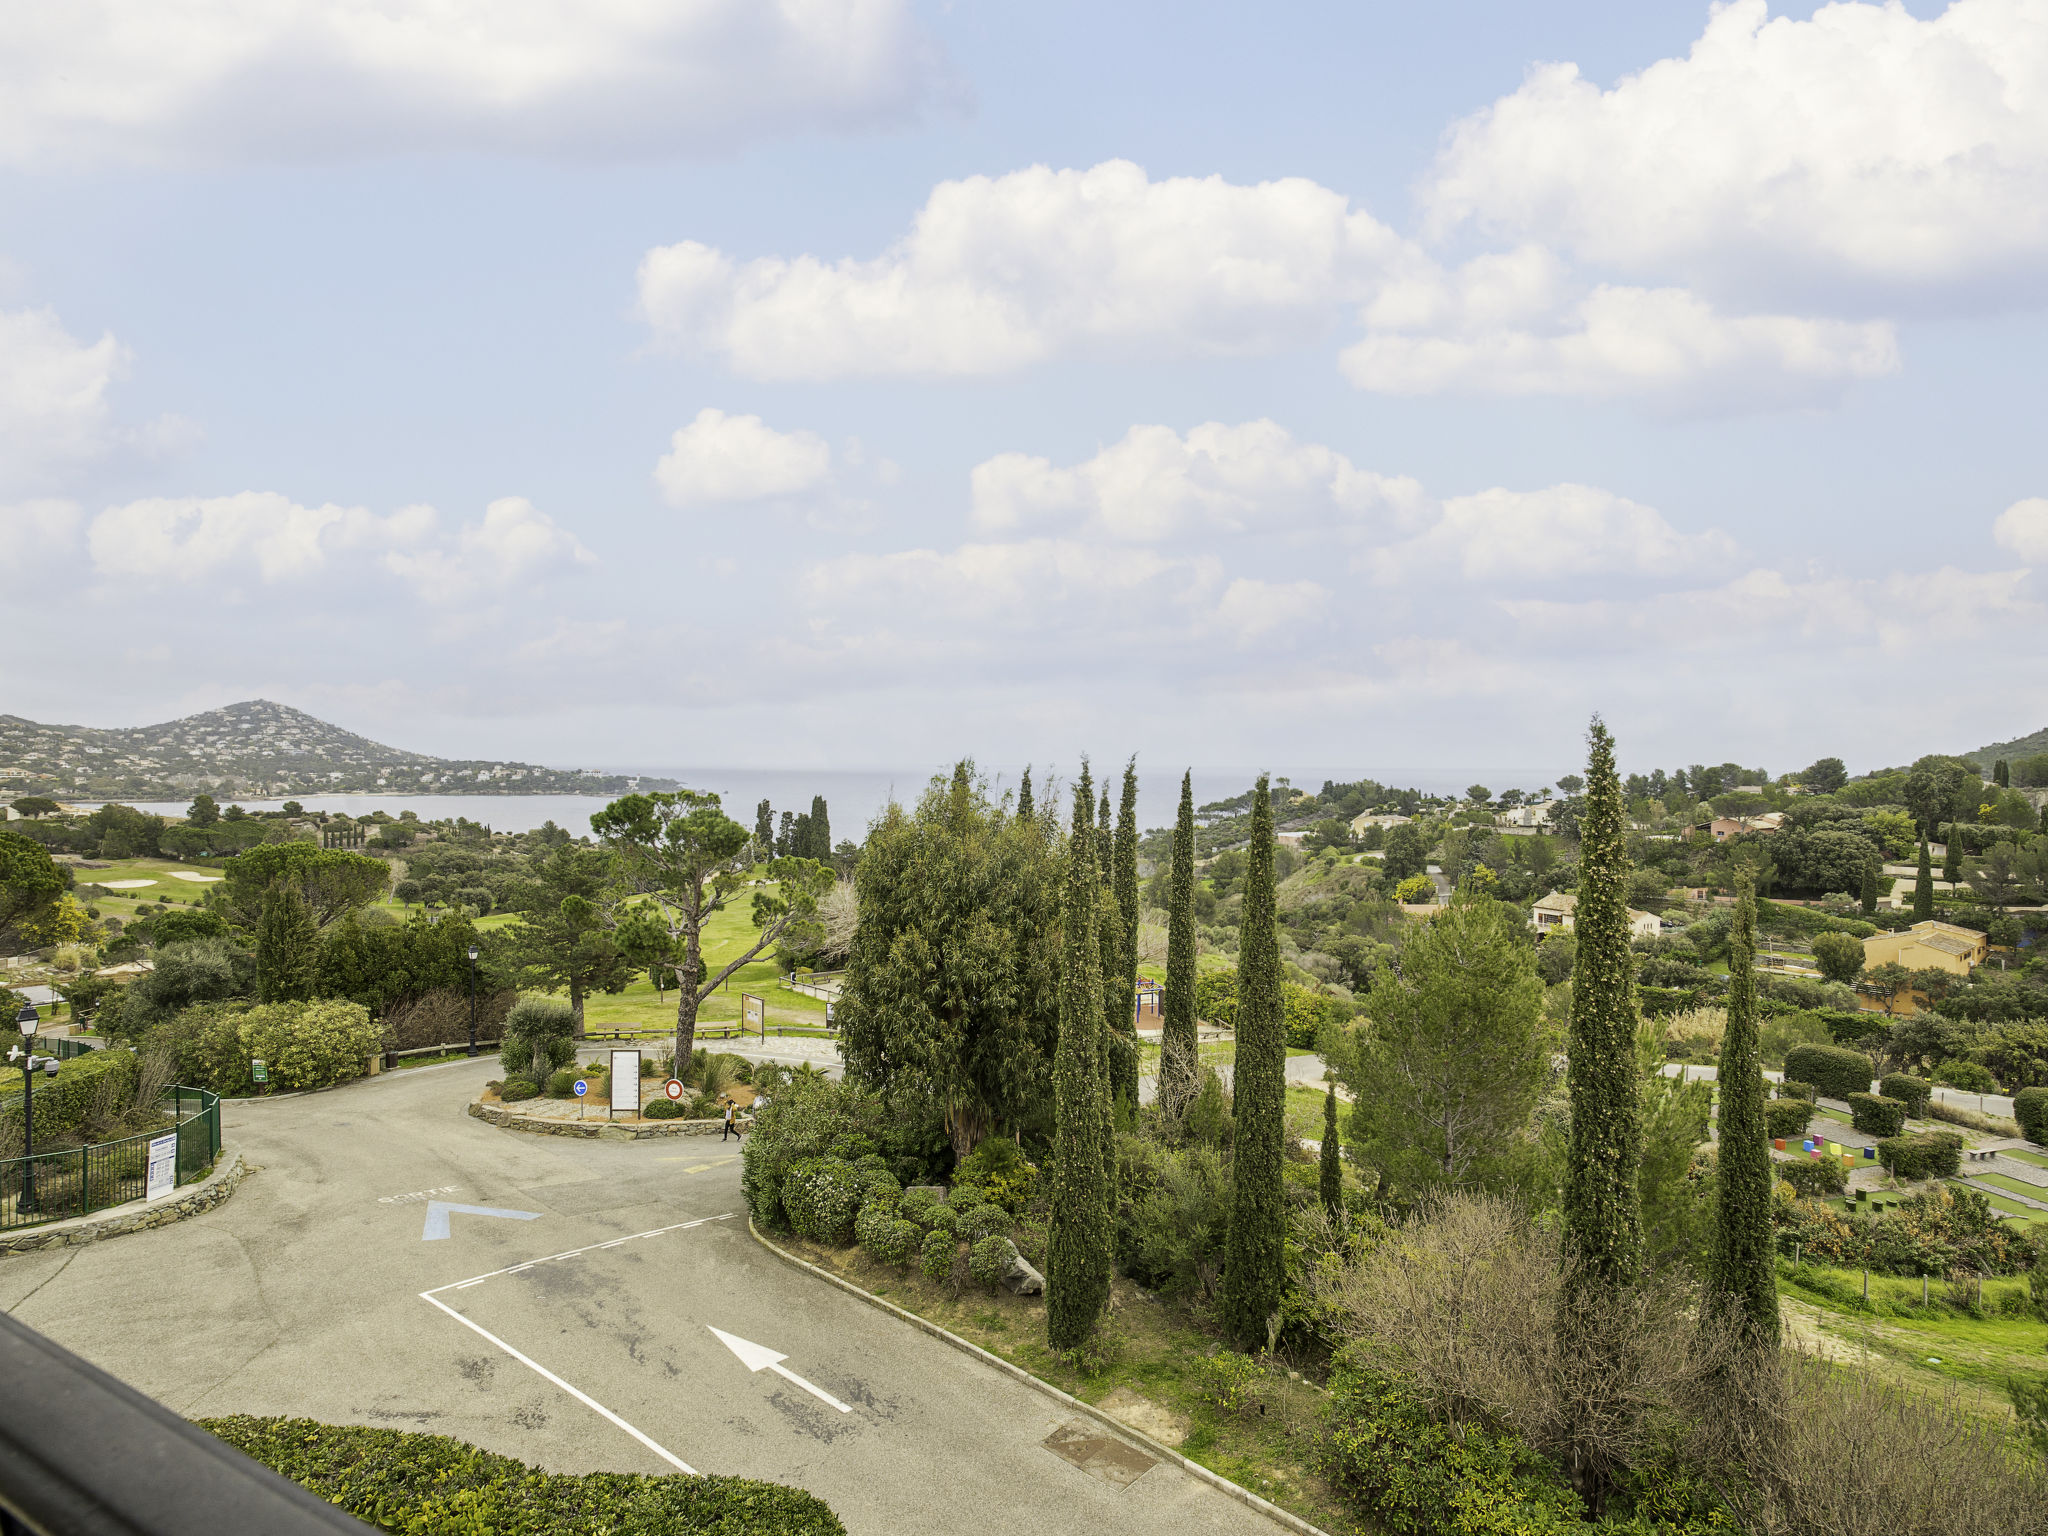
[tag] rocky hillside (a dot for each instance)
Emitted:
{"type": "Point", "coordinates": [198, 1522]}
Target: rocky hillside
{"type": "Point", "coordinates": [257, 748]}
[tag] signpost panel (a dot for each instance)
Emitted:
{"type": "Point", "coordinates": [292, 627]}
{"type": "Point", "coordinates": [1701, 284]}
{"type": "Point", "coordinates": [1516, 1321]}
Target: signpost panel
{"type": "Point", "coordinates": [626, 1081]}
{"type": "Point", "coordinates": [753, 1015]}
{"type": "Point", "coordinates": [163, 1166]}
{"type": "Point", "coordinates": [259, 1071]}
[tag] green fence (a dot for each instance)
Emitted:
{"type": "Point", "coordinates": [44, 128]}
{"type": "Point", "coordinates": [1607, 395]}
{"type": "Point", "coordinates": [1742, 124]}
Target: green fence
{"type": "Point", "coordinates": [76, 1181]}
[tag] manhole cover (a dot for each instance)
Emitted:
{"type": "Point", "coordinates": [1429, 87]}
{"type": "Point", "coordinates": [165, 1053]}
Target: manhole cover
{"type": "Point", "coordinates": [1099, 1454]}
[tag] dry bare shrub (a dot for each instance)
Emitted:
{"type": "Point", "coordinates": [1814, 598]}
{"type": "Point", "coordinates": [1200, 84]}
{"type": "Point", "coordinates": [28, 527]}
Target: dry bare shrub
{"type": "Point", "coordinates": [839, 916]}
{"type": "Point", "coordinates": [441, 1017]}
{"type": "Point", "coordinates": [1695, 1032]}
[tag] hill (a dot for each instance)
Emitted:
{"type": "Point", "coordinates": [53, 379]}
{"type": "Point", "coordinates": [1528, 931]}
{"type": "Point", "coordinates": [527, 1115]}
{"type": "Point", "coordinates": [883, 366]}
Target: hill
{"type": "Point", "coordinates": [2023, 746]}
{"type": "Point", "coordinates": [258, 748]}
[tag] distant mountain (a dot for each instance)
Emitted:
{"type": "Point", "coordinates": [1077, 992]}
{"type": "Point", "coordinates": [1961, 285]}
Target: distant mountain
{"type": "Point", "coordinates": [259, 748]}
{"type": "Point", "coordinates": [2024, 746]}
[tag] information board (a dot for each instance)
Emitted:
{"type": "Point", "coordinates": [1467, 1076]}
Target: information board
{"type": "Point", "coordinates": [753, 1015]}
{"type": "Point", "coordinates": [626, 1081]}
{"type": "Point", "coordinates": [163, 1166]}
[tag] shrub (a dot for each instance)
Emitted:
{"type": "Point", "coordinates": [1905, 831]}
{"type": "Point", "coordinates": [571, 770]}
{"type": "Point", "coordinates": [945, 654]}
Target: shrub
{"type": "Point", "coordinates": [803, 1118]}
{"type": "Point", "coordinates": [1969, 1119]}
{"type": "Point", "coordinates": [432, 1485]}
{"type": "Point", "coordinates": [514, 1089]}
{"type": "Point", "coordinates": [539, 1037]}
{"type": "Point", "coordinates": [918, 1203]}
{"type": "Point", "coordinates": [1814, 1177]}
{"type": "Point", "coordinates": [880, 1232]}
{"type": "Point", "coordinates": [988, 1259]}
{"type": "Point", "coordinates": [662, 1109]}
{"type": "Point", "coordinates": [1909, 1090]}
{"type": "Point", "coordinates": [1969, 1076]}
{"type": "Point", "coordinates": [1834, 1070]}
{"type": "Point", "coordinates": [1001, 1169]}
{"type": "Point", "coordinates": [1790, 1088]}
{"type": "Point", "coordinates": [942, 1218]}
{"type": "Point", "coordinates": [1877, 1116]}
{"type": "Point", "coordinates": [311, 1045]}
{"type": "Point", "coordinates": [936, 1257]}
{"type": "Point", "coordinates": [1922, 1155]}
{"type": "Point", "coordinates": [878, 1187]}
{"type": "Point", "coordinates": [86, 1089]}
{"type": "Point", "coordinates": [982, 1221]}
{"type": "Point", "coordinates": [908, 1238]}
{"type": "Point", "coordinates": [2030, 1108]}
{"type": "Point", "coordinates": [821, 1195]}
{"type": "Point", "coordinates": [562, 1084]}
{"type": "Point", "coordinates": [1786, 1118]}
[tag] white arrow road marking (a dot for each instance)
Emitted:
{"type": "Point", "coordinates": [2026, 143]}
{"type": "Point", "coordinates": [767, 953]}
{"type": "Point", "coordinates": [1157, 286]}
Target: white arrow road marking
{"type": "Point", "coordinates": [582, 1397]}
{"type": "Point", "coordinates": [756, 1358]}
{"type": "Point", "coordinates": [438, 1212]}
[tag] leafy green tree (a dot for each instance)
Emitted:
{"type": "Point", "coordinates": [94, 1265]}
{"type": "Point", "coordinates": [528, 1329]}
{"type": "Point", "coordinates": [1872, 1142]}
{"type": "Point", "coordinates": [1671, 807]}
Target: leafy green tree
{"type": "Point", "coordinates": [287, 945]}
{"type": "Point", "coordinates": [1255, 1264]}
{"type": "Point", "coordinates": [1996, 879]}
{"type": "Point", "coordinates": [1741, 1278]}
{"type": "Point", "coordinates": [565, 939]}
{"type": "Point", "coordinates": [952, 988]}
{"type": "Point", "coordinates": [1444, 1081]}
{"type": "Point", "coordinates": [31, 884]}
{"type": "Point", "coordinates": [1406, 855]}
{"type": "Point", "coordinates": [1177, 1047]}
{"type": "Point", "coordinates": [33, 806]}
{"type": "Point", "coordinates": [331, 881]}
{"type": "Point", "coordinates": [1888, 983]}
{"type": "Point", "coordinates": [1123, 1041]}
{"type": "Point", "coordinates": [1923, 885]}
{"type": "Point", "coordinates": [678, 857]}
{"type": "Point", "coordinates": [1602, 1223]}
{"type": "Point", "coordinates": [1330, 1173]}
{"type": "Point", "coordinates": [1077, 1251]}
{"type": "Point", "coordinates": [1839, 955]}
{"type": "Point", "coordinates": [203, 813]}
{"type": "Point", "coordinates": [1825, 776]}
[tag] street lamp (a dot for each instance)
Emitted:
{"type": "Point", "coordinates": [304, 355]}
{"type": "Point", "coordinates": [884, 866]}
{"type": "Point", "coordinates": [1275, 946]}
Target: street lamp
{"type": "Point", "coordinates": [26, 1021]}
{"type": "Point", "coordinates": [472, 999]}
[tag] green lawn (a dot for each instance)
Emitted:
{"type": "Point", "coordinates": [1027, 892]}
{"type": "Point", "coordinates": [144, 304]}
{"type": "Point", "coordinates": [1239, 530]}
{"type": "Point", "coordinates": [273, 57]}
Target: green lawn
{"type": "Point", "coordinates": [1305, 1113]}
{"type": "Point", "coordinates": [2026, 1157]}
{"type": "Point", "coordinates": [1833, 1114]}
{"type": "Point", "coordinates": [127, 905]}
{"type": "Point", "coordinates": [2022, 1215]}
{"type": "Point", "coordinates": [2010, 1185]}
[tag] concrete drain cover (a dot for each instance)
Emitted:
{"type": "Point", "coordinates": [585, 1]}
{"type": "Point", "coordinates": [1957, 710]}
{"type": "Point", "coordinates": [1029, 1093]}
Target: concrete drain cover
{"type": "Point", "coordinates": [1099, 1454]}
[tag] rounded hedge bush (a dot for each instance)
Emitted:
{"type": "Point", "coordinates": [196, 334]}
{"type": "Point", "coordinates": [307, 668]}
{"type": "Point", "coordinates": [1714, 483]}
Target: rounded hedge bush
{"type": "Point", "coordinates": [562, 1084]}
{"type": "Point", "coordinates": [1832, 1069]}
{"type": "Point", "coordinates": [1969, 1076]}
{"type": "Point", "coordinates": [989, 1260]}
{"type": "Point", "coordinates": [1814, 1177]}
{"type": "Point", "coordinates": [1911, 1091]}
{"type": "Point", "coordinates": [918, 1202]}
{"type": "Point", "coordinates": [821, 1195]}
{"type": "Point", "coordinates": [1924, 1155]}
{"type": "Point", "coordinates": [1786, 1119]}
{"type": "Point", "coordinates": [883, 1235]}
{"type": "Point", "coordinates": [909, 1236]}
{"type": "Point", "coordinates": [2030, 1108]}
{"type": "Point", "coordinates": [662, 1109]}
{"type": "Point", "coordinates": [979, 1222]}
{"type": "Point", "coordinates": [514, 1089]}
{"type": "Point", "coordinates": [941, 1218]}
{"type": "Point", "coordinates": [1877, 1116]}
{"type": "Point", "coordinates": [1790, 1088]}
{"type": "Point", "coordinates": [936, 1257]}
{"type": "Point", "coordinates": [878, 1186]}
{"type": "Point", "coordinates": [966, 1194]}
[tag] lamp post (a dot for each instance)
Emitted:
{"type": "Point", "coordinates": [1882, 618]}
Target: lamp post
{"type": "Point", "coordinates": [26, 1021]}
{"type": "Point", "coordinates": [472, 999]}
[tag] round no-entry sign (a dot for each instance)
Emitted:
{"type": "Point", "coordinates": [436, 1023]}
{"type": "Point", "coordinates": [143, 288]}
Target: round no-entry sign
{"type": "Point", "coordinates": [581, 1087]}
{"type": "Point", "coordinates": [673, 1088]}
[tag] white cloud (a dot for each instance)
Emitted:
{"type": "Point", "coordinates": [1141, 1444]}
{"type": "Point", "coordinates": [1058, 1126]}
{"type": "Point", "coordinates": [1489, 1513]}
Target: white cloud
{"type": "Point", "coordinates": [1519, 538]}
{"type": "Point", "coordinates": [1862, 144]}
{"type": "Point", "coordinates": [53, 394]}
{"type": "Point", "coordinates": [1155, 484]}
{"type": "Point", "coordinates": [722, 458]}
{"type": "Point", "coordinates": [1000, 272]}
{"type": "Point", "coordinates": [2023, 529]}
{"type": "Point", "coordinates": [515, 542]}
{"type": "Point", "coordinates": [286, 80]}
{"type": "Point", "coordinates": [33, 530]}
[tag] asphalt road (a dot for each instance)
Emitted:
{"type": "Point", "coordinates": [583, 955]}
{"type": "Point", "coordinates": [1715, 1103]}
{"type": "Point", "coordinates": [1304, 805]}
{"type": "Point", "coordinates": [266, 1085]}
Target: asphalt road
{"type": "Point", "coordinates": [302, 1295]}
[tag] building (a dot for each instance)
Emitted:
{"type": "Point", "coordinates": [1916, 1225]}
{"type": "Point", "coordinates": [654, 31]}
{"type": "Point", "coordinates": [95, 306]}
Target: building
{"type": "Point", "coordinates": [1928, 946]}
{"type": "Point", "coordinates": [1557, 911]}
{"type": "Point", "coordinates": [1366, 819]}
{"type": "Point", "coordinates": [1721, 828]}
{"type": "Point", "coordinates": [1536, 815]}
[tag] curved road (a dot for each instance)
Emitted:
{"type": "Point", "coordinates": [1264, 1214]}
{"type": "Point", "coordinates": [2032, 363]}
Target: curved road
{"type": "Point", "coordinates": [302, 1295]}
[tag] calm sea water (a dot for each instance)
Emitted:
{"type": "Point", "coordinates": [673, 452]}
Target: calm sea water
{"type": "Point", "coordinates": [853, 798]}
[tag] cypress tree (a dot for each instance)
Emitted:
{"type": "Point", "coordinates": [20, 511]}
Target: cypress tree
{"type": "Point", "coordinates": [287, 946]}
{"type": "Point", "coordinates": [821, 830]}
{"type": "Point", "coordinates": [1923, 885]}
{"type": "Point", "coordinates": [1331, 1180]}
{"type": "Point", "coordinates": [1077, 1249]}
{"type": "Point", "coordinates": [1024, 809]}
{"type": "Point", "coordinates": [1603, 1224]}
{"type": "Point", "coordinates": [1177, 1052]}
{"type": "Point", "coordinates": [2001, 773]}
{"type": "Point", "coordinates": [1254, 1262]}
{"type": "Point", "coordinates": [1952, 856]}
{"type": "Point", "coordinates": [1123, 1044]}
{"type": "Point", "coordinates": [1742, 1279]}
{"type": "Point", "coordinates": [1870, 872]}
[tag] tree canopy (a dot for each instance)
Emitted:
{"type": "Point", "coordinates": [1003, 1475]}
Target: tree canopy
{"type": "Point", "coordinates": [331, 881]}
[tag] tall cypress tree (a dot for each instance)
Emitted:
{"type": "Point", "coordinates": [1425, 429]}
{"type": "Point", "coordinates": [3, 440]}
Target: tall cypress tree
{"type": "Point", "coordinates": [1123, 1043]}
{"type": "Point", "coordinates": [1923, 885]}
{"type": "Point", "coordinates": [1952, 856]}
{"type": "Point", "coordinates": [1177, 1075]}
{"type": "Point", "coordinates": [821, 830]}
{"type": "Point", "coordinates": [1254, 1261]}
{"type": "Point", "coordinates": [1330, 1183]}
{"type": "Point", "coordinates": [1603, 1225]}
{"type": "Point", "coordinates": [1024, 807]}
{"type": "Point", "coordinates": [1870, 873]}
{"type": "Point", "coordinates": [1742, 1278]}
{"type": "Point", "coordinates": [287, 945]}
{"type": "Point", "coordinates": [1076, 1261]}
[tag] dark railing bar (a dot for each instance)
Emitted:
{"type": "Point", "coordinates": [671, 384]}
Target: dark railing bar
{"type": "Point", "coordinates": [82, 1454]}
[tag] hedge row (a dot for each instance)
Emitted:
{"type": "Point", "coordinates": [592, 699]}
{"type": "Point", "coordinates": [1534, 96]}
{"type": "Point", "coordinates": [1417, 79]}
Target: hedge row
{"type": "Point", "coordinates": [100, 1082]}
{"type": "Point", "coordinates": [1814, 1177]}
{"type": "Point", "coordinates": [1875, 1115]}
{"type": "Point", "coordinates": [1786, 1118]}
{"type": "Point", "coordinates": [2030, 1108]}
{"type": "Point", "coordinates": [1913, 1092]}
{"type": "Point", "coordinates": [1923, 1155]}
{"type": "Point", "coordinates": [1833, 1069]}
{"type": "Point", "coordinates": [431, 1485]}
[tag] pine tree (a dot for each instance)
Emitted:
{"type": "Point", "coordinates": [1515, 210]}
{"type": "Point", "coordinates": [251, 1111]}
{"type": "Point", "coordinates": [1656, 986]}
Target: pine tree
{"type": "Point", "coordinates": [1024, 806]}
{"type": "Point", "coordinates": [1177, 1052]}
{"type": "Point", "coordinates": [1923, 885]}
{"type": "Point", "coordinates": [1331, 1180]}
{"type": "Point", "coordinates": [1123, 1043]}
{"type": "Point", "coordinates": [1603, 1227]}
{"type": "Point", "coordinates": [1742, 1279]}
{"type": "Point", "coordinates": [764, 828]}
{"type": "Point", "coordinates": [1254, 1263]}
{"type": "Point", "coordinates": [287, 945]}
{"type": "Point", "coordinates": [1077, 1271]}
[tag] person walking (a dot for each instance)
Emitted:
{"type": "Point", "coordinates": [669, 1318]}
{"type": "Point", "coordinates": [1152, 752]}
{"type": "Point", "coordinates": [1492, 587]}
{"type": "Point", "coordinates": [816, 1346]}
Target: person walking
{"type": "Point", "coordinates": [732, 1126]}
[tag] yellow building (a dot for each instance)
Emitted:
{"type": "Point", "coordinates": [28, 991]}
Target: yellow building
{"type": "Point", "coordinates": [1928, 946]}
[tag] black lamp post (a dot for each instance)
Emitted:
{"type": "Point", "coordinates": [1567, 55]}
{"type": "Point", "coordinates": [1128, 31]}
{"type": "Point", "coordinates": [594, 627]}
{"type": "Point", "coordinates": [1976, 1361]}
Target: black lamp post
{"type": "Point", "coordinates": [26, 1021]}
{"type": "Point", "coordinates": [472, 999]}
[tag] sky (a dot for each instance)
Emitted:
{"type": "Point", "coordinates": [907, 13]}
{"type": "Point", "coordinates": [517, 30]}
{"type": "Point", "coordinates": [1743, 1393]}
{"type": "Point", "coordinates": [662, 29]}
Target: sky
{"type": "Point", "coordinates": [861, 383]}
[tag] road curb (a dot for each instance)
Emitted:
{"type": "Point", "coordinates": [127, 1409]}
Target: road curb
{"type": "Point", "coordinates": [1115, 1425]}
{"type": "Point", "coordinates": [189, 1201]}
{"type": "Point", "coordinates": [592, 1130]}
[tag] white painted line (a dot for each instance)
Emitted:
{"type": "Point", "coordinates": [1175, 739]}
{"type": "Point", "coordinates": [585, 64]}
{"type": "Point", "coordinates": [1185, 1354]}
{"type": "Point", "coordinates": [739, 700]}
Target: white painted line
{"type": "Point", "coordinates": [757, 1357]}
{"type": "Point", "coordinates": [582, 1397]}
{"type": "Point", "coordinates": [520, 1268]}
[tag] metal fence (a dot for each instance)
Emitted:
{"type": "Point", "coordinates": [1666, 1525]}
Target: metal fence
{"type": "Point", "coordinates": [76, 1181]}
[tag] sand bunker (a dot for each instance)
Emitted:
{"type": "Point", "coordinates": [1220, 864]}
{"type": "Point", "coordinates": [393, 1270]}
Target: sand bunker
{"type": "Point", "coordinates": [197, 879]}
{"type": "Point", "coordinates": [123, 885]}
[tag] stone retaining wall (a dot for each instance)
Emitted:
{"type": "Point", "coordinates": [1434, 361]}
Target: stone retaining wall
{"type": "Point", "coordinates": [601, 1130]}
{"type": "Point", "coordinates": [134, 1216]}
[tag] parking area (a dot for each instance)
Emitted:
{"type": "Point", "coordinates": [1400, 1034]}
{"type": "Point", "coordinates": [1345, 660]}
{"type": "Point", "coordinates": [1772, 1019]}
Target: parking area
{"type": "Point", "coordinates": [577, 1304]}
